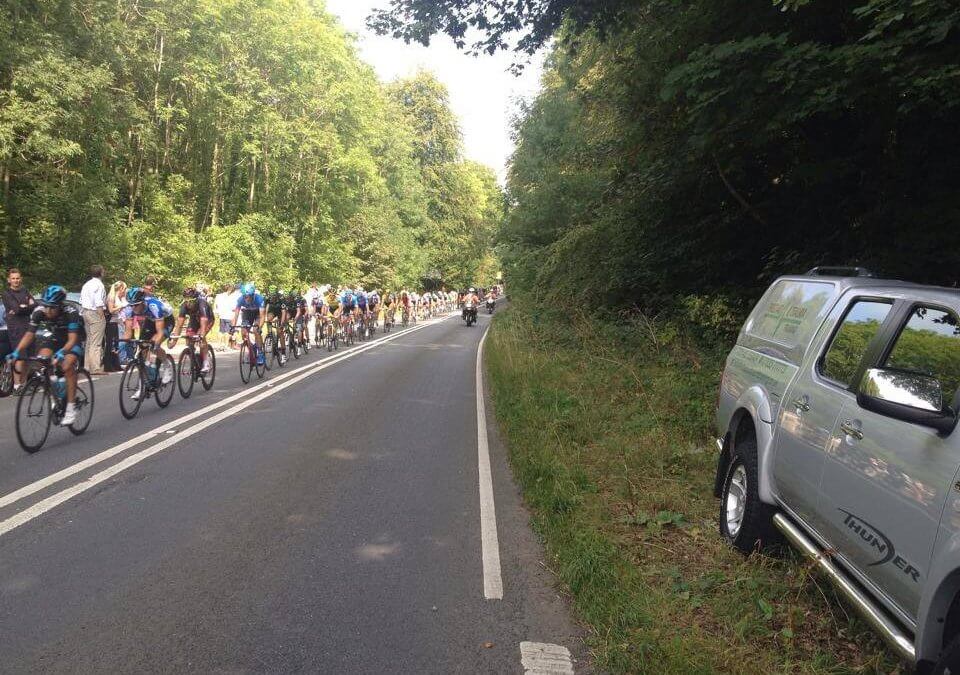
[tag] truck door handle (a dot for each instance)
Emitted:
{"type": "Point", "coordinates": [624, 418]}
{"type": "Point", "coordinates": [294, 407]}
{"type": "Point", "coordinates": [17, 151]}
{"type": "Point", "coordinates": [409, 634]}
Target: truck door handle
{"type": "Point", "coordinates": [802, 404]}
{"type": "Point", "coordinates": [851, 429]}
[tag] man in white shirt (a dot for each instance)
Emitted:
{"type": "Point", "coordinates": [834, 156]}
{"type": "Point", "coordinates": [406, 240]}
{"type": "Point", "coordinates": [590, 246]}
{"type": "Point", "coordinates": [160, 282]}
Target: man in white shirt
{"type": "Point", "coordinates": [93, 303]}
{"type": "Point", "coordinates": [223, 305]}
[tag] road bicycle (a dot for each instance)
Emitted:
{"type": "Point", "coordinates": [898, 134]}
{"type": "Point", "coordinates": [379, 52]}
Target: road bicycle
{"type": "Point", "coordinates": [43, 401]}
{"type": "Point", "coordinates": [332, 335]}
{"type": "Point", "coordinates": [405, 317]}
{"type": "Point", "coordinates": [249, 357]}
{"type": "Point", "coordinates": [293, 344]}
{"type": "Point", "coordinates": [190, 366]}
{"type": "Point", "coordinates": [272, 347]}
{"type": "Point", "coordinates": [389, 316]}
{"type": "Point", "coordinates": [348, 334]}
{"type": "Point", "coordinates": [301, 335]}
{"type": "Point", "coordinates": [319, 331]}
{"type": "Point", "coordinates": [141, 380]}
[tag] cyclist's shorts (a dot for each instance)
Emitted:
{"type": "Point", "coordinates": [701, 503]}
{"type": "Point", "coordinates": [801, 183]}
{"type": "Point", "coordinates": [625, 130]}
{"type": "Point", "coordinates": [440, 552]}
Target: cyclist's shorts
{"type": "Point", "coordinates": [149, 328]}
{"type": "Point", "coordinates": [249, 317]}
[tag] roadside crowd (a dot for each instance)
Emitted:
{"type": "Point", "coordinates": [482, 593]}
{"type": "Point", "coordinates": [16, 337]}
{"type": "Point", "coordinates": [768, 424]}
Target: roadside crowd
{"type": "Point", "coordinates": [102, 312]}
{"type": "Point", "coordinates": [101, 309]}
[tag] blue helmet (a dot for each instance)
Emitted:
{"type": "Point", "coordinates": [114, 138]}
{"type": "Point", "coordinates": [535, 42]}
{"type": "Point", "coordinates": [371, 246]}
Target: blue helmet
{"type": "Point", "coordinates": [135, 295]}
{"type": "Point", "coordinates": [248, 288]}
{"type": "Point", "coordinates": [54, 295]}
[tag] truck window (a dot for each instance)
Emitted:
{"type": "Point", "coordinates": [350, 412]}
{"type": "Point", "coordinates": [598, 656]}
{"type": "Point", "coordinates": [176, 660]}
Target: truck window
{"type": "Point", "coordinates": [850, 342]}
{"type": "Point", "coordinates": [791, 312]}
{"type": "Point", "coordinates": [929, 344]}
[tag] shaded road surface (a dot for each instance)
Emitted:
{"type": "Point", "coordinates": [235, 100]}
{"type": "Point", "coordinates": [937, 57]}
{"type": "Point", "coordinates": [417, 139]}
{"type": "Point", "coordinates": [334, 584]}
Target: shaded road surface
{"type": "Point", "coordinates": [331, 525]}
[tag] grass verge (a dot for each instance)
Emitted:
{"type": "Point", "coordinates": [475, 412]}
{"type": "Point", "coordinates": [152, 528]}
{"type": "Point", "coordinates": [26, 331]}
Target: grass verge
{"type": "Point", "coordinates": [608, 429]}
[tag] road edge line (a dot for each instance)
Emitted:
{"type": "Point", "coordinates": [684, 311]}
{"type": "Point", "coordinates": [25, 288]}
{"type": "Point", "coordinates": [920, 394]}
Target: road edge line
{"type": "Point", "coordinates": [492, 578]}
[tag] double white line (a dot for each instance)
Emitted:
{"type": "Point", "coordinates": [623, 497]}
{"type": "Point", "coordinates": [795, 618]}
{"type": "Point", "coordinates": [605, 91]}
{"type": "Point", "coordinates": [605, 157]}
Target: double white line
{"type": "Point", "coordinates": [243, 400]}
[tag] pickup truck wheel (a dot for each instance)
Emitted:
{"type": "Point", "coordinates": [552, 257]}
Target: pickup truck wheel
{"type": "Point", "coordinates": [745, 521]}
{"type": "Point", "coordinates": [949, 663]}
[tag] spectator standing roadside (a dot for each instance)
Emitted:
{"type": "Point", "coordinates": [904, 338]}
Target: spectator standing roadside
{"type": "Point", "coordinates": [116, 301]}
{"type": "Point", "coordinates": [93, 306]}
{"type": "Point", "coordinates": [18, 304]}
{"type": "Point", "coordinates": [223, 306]}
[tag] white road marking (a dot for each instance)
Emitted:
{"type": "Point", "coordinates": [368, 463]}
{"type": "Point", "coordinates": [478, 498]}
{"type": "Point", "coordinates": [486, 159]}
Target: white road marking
{"type": "Point", "coordinates": [54, 500]}
{"type": "Point", "coordinates": [492, 581]}
{"type": "Point", "coordinates": [539, 658]}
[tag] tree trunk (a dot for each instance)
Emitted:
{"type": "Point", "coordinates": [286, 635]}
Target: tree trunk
{"type": "Point", "coordinates": [253, 182]}
{"type": "Point", "coordinates": [215, 185]}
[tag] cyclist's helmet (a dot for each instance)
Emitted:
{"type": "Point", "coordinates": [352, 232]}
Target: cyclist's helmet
{"type": "Point", "coordinates": [473, 290]}
{"type": "Point", "coordinates": [135, 295]}
{"type": "Point", "coordinates": [248, 289]}
{"type": "Point", "coordinates": [54, 295]}
{"type": "Point", "coordinates": [190, 293]}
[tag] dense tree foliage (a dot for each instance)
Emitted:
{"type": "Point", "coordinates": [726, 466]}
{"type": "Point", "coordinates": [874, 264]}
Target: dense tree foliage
{"type": "Point", "coordinates": [225, 139]}
{"type": "Point", "coordinates": [692, 151]}
{"type": "Point", "coordinates": [710, 147]}
{"type": "Point", "coordinates": [520, 24]}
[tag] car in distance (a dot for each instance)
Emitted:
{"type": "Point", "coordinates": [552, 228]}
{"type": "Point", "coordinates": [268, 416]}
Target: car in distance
{"type": "Point", "coordinates": [836, 426]}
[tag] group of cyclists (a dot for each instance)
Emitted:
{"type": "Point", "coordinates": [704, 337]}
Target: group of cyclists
{"type": "Point", "coordinates": [56, 330]}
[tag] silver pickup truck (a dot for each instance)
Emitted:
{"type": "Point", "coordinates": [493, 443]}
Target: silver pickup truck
{"type": "Point", "coordinates": [836, 420]}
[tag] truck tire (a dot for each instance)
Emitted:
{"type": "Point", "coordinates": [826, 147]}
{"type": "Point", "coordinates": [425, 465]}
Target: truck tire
{"type": "Point", "coordinates": [745, 521]}
{"type": "Point", "coordinates": [949, 663]}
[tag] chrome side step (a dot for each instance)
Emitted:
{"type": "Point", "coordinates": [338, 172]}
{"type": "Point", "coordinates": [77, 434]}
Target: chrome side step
{"type": "Point", "coordinates": [894, 636]}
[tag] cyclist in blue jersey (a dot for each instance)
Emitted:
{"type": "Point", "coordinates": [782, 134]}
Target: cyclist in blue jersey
{"type": "Point", "coordinates": [55, 325]}
{"type": "Point", "coordinates": [361, 303]}
{"type": "Point", "coordinates": [251, 308]}
{"type": "Point", "coordinates": [348, 305]}
{"type": "Point", "coordinates": [156, 321]}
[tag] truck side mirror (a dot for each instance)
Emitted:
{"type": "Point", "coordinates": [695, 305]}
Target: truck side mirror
{"type": "Point", "coordinates": [910, 397]}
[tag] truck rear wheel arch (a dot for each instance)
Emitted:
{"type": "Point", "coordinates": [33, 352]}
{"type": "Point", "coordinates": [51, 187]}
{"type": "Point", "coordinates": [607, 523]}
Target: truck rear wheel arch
{"type": "Point", "coordinates": [740, 424]}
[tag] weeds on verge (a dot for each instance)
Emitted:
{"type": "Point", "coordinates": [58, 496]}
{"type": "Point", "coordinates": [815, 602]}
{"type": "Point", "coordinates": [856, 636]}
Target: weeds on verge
{"type": "Point", "coordinates": [608, 427]}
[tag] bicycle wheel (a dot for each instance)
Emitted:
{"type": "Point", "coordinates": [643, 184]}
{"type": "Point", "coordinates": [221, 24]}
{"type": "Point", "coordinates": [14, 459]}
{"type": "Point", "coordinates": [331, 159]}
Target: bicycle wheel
{"type": "Point", "coordinates": [6, 378]}
{"type": "Point", "coordinates": [305, 345]}
{"type": "Point", "coordinates": [261, 368]}
{"type": "Point", "coordinates": [293, 346]}
{"type": "Point", "coordinates": [207, 378]}
{"type": "Point", "coordinates": [33, 415]}
{"type": "Point", "coordinates": [133, 388]}
{"type": "Point", "coordinates": [270, 351]}
{"type": "Point", "coordinates": [164, 390]}
{"type": "Point", "coordinates": [185, 372]}
{"type": "Point", "coordinates": [246, 362]}
{"type": "Point", "coordinates": [83, 403]}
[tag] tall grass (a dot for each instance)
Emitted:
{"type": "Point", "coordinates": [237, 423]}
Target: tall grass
{"type": "Point", "coordinates": [608, 427]}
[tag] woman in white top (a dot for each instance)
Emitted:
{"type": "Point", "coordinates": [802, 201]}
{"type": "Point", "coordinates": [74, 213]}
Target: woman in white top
{"type": "Point", "coordinates": [116, 301]}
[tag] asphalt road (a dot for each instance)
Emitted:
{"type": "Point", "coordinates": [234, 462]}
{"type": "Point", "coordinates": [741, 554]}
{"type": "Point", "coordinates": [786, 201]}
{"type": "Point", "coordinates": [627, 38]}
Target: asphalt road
{"type": "Point", "coordinates": [324, 520]}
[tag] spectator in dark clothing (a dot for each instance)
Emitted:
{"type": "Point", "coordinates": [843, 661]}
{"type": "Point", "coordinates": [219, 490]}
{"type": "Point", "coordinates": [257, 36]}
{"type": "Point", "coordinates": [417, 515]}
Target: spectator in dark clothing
{"type": "Point", "coordinates": [18, 304]}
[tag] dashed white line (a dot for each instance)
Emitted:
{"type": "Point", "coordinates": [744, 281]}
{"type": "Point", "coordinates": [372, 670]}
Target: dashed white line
{"type": "Point", "coordinates": [492, 580]}
{"type": "Point", "coordinates": [540, 658]}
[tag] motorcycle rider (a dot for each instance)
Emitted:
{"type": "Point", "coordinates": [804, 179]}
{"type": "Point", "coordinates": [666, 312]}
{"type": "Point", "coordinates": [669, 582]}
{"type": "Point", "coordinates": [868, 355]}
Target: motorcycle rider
{"type": "Point", "coordinates": [470, 302]}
